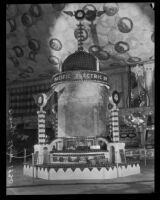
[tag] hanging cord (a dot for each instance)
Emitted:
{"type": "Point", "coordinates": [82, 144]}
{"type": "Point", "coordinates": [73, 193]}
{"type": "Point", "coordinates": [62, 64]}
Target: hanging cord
{"type": "Point", "coordinates": [17, 153]}
{"type": "Point", "coordinates": [19, 157]}
{"type": "Point", "coordinates": [80, 37]}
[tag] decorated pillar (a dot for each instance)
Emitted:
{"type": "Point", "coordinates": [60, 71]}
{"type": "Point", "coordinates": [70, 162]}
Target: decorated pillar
{"type": "Point", "coordinates": [115, 123]}
{"type": "Point", "coordinates": [116, 149]}
{"type": "Point", "coordinates": [114, 119]}
{"type": "Point", "coordinates": [56, 126]}
{"type": "Point", "coordinates": [110, 125]}
{"type": "Point", "coordinates": [41, 127]}
{"type": "Point", "coordinates": [41, 147]}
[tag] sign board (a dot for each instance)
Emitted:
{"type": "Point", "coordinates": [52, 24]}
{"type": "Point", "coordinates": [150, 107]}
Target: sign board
{"type": "Point", "coordinates": [83, 75]}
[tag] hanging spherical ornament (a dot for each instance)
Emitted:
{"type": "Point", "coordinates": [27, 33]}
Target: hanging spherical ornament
{"type": "Point", "coordinates": [110, 8]}
{"type": "Point", "coordinates": [114, 65]}
{"type": "Point", "coordinates": [103, 55]}
{"type": "Point", "coordinates": [53, 60]}
{"type": "Point", "coordinates": [151, 58]}
{"type": "Point", "coordinates": [114, 36]}
{"type": "Point", "coordinates": [88, 7]}
{"type": "Point", "coordinates": [55, 44]}
{"type": "Point", "coordinates": [29, 70]}
{"type": "Point", "coordinates": [110, 106]}
{"type": "Point", "coordinates": [14, 61]}
{"type": "Point", "coordinates": [133, 60]}
{"type": "Point", "coordinates": [35, 10]}
{"type": "Point", "coordinates": [32, 55]}
{"type": "Point", "coordinates": [18, 51]}
{"type": "Point", "coordinates": [11, 10]}
{"type": "Point", "coordinates": [44, 75]}
{"type": "Point", "coordinates": [94, 49]}
{"type": "Point", "coordinates": [90, 12]}
{"type": "Point", "coordinates": [90, 15]}
{"type": "Point", "coordinates": [133, 42]}
{"type": "Point", "coordinates": [58, 6]}
{"type": "Point", "coordinates": [110, 49]}
{"type": "Point", "coordinates": [24, 75]}
{"type": "Point", "coordinates": [79, 14]}
{"type": "Point", "coordinates": [84, 34]}
{"type": "Point", "coordinates": [10, 25]}
{"type": "Point", "coordinates": [152, 37]}
{"type": "Point", "coordinates": [125, 25]}
{"type": "Point", "coordinates": [34, 44]}
{"type": "Point", "coordinates": [26, 20]}
{"type": "Point", "coordinates": [121, 47]}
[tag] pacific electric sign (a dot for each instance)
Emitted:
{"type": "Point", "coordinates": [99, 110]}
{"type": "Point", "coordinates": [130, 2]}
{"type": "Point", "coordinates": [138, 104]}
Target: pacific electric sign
{"type": "Point", "coordinates": [80, 76]}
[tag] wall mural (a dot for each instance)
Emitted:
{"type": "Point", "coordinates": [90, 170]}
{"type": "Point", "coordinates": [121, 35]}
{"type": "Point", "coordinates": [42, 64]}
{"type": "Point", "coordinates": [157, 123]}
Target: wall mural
{"type": "Point", "coordinates": [43, 35]}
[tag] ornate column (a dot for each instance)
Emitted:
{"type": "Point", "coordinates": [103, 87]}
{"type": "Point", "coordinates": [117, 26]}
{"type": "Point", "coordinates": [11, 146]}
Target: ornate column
{"type": "Point", "coordinates": [129, 86]}
{"type": "Point", "coordinates": [95, 120]}
{"type": "Point", "coordinates": [56, 126]}
{"type": "Point", "coordinates": [41, 147]}
{"type": "Point", "coordinates": [115, 123]}
{"type": "Point", "coordinates": [116, 148]}
{"type": "Point", "coordinates": [41, 127]}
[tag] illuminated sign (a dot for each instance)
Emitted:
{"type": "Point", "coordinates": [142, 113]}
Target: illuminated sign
{"type": "Point", "coordinates": [80, 76]}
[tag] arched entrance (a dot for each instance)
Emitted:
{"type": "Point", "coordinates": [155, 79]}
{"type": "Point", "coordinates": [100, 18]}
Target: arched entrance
{"type": "Point", "coordinates": [103, 143]}
{"type": "Point", "coordinates": [55, 142]}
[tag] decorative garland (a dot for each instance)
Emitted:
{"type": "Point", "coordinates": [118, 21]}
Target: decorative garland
{"type": "Point", "coordinates": [74, 166]}
{"type": "Point", "coordinates": [77, 151]}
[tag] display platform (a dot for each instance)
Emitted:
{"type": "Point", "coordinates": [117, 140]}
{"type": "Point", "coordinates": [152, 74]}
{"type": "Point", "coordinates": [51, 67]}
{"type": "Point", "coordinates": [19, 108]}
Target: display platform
{"type": "Point", "coordinates": [53, 172]}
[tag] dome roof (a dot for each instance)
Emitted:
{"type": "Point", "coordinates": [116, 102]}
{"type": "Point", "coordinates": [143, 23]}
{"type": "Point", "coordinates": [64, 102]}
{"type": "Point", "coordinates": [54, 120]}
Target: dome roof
{"type": "Point", "coordinates": [80, 60]}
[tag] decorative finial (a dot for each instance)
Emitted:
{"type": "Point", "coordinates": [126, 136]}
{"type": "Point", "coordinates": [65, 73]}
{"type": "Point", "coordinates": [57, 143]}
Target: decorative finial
{"type": "Point", "coordinates": [81, 33]}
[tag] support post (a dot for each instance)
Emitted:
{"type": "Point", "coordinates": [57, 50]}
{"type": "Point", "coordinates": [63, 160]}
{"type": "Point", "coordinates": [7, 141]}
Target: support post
{"type": "Point", "coordinates": [33, 167]}
{"type": "Point", "coordinates": [145, 157]}
{"type": "Point", "coordinates": [115, 123]}
{"type": "Point", "coordinates": [56, 125]}
{"type": "Point", "coordinates": [41, 127]}
{"type": "Point", "coordinates": [24, 156]}
{"type": "Point", "coordinates": [117, 163]}
{"type": "Point", "coordinates": [129, 86]}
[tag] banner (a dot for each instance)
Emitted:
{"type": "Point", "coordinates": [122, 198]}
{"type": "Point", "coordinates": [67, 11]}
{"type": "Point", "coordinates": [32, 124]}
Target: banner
{"type": "Point", "coordinates": [81, 76]}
